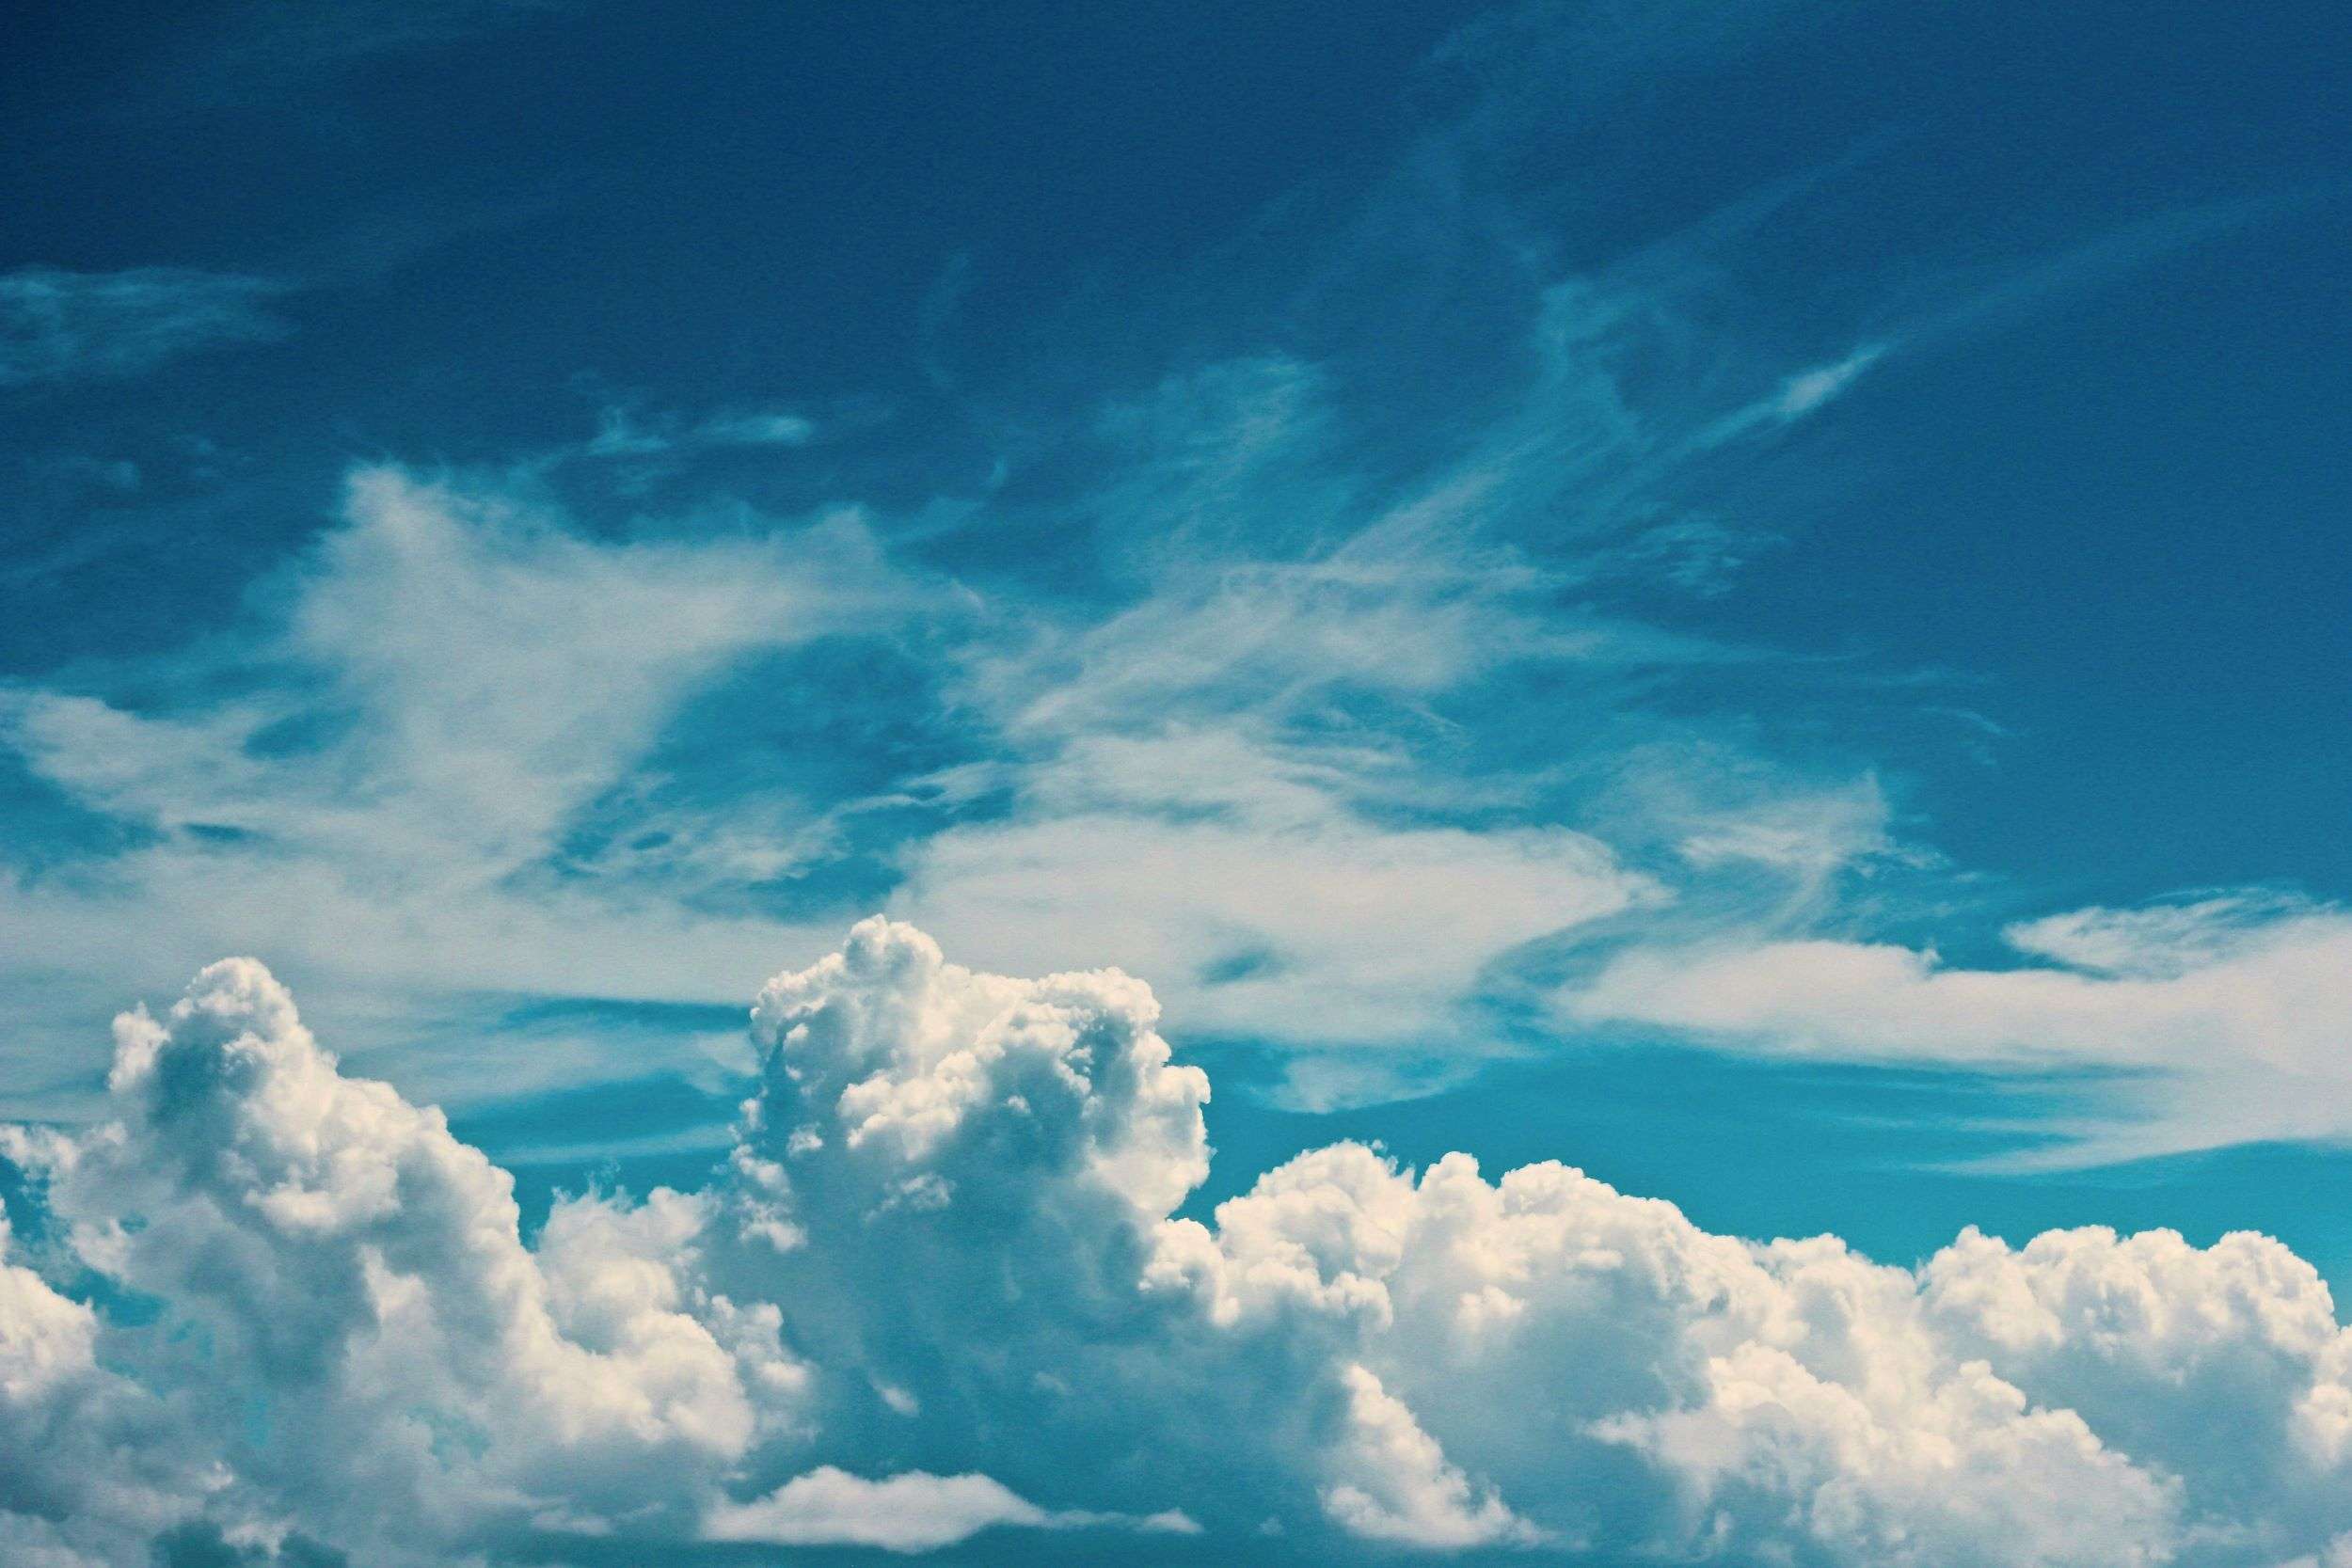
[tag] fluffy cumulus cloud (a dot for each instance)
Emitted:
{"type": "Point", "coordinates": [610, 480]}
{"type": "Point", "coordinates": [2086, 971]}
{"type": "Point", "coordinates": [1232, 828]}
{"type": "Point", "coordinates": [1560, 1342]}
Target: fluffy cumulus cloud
{"type": "Point", "coordinates": [943, 1294]}
{"type": "Point", "coordinates": [83, 1476]}
{"type": "Point", "coordinates": [349, 1295]}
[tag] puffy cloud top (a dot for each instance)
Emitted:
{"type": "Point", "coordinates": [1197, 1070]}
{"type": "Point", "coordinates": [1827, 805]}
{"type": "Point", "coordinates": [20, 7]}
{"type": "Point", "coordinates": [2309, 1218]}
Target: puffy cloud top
{"type": "Point", "coordinates": [941, 1287]}
{"type": "Point", "coordinates": [921, 1075]}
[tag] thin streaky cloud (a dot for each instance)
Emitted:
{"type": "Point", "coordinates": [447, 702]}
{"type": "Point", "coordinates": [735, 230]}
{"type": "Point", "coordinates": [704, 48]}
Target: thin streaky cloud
{"type": "Point", "coordinates": [62, 326]}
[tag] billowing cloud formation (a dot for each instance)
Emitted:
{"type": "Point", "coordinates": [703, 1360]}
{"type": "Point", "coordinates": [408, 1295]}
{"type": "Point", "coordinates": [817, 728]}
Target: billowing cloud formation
{"type": "Point", "coordinates": [942, 1287]}
{"type": "Point", "coordinates": [347, 1286]}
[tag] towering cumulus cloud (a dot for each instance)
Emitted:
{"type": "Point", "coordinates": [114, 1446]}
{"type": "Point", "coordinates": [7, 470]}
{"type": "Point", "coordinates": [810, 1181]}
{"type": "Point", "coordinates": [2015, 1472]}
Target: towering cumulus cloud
{"type": "Point", "coordinates": [939, 1299]}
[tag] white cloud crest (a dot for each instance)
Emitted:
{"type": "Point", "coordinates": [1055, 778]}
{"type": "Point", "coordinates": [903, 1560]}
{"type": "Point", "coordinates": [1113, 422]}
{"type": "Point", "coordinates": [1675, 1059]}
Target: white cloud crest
{"type": "Point", "coordinates": [950, 1219]}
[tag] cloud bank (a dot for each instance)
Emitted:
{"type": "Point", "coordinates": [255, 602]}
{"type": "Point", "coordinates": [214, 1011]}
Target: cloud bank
{"type": "Point", "coordinates": [940, 1294]}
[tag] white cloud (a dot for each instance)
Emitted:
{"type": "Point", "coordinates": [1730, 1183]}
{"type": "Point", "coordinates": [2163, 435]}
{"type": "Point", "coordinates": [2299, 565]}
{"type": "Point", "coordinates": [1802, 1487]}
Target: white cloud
{"type": "Point", "coordinates": [338, 1257]}
{"type": "Point", "coordinates": [1783, 1398]}
{"type": "Point", "coordinates": [87, 1463]}
{"type": "Point", "coordinates": [914, 1511]}
{"type": "Point", "coordinates": [1394, 1483]}
{"type": "Point", "coordinates": [1318, 756]}
{"type": "Point", "coordinates": [449, 678]}
{"type": "Point", "coordinates": [912, 1065]}
{"type": "Point", "coordinates": [1803, 393]}
{"type": "Point", "coordinates": [949, 1222]}
{"type": "Point", "coordinates": [1261, 898]}
{"type": "Point", "coordinates": [2237, 1005]}
{"type": "Point", "coordinates": [426, 702]}
{"type": "Point", "coordinates": [1960, 1471]}
{"type": "Point", "coordinates": [909, 1512]}
{"type": "Point", "coordinates": [1224, 784]}
{"type": "Point", "coordinates": [2157, 941]}
{"type": "Point", "coordinates": [1253, 769]}
{"type": "Point", "coordinates": [1448, 1362]}
{"type": "Point", "coordinates": [621, 432]}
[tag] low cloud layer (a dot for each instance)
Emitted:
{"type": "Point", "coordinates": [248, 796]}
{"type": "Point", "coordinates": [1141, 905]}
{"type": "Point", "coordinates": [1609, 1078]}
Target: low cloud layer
{"type": "Point", "coordinates": [938, 1295]}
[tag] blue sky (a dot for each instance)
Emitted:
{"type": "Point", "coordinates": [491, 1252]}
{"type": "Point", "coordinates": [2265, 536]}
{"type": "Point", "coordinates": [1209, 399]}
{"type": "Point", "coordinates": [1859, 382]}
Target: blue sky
{"type": "Point", "coordinates": [1748, 597]}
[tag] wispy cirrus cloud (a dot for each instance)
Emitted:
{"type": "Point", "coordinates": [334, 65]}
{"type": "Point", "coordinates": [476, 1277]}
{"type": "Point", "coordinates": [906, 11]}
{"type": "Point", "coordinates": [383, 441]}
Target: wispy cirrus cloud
{"type": "Point", "coordinates": [416, 710]}
{"type": "Point", "coordinates": [1343, 726]}
{"type": "Point", "coordinates": [1335, 756]}
{"type": "Point", "coordinates": [2226, 1017]}
{"type": "Point", "coordinates": [443, 743]}
{"type": "Point", "coordinates": [58, 327]}
{"type": "Point", "coordinates": [622, 434]}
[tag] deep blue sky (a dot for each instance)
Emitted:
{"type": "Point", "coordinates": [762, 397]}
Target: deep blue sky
{"type": "Point", "coordinates": [2053, 580]}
